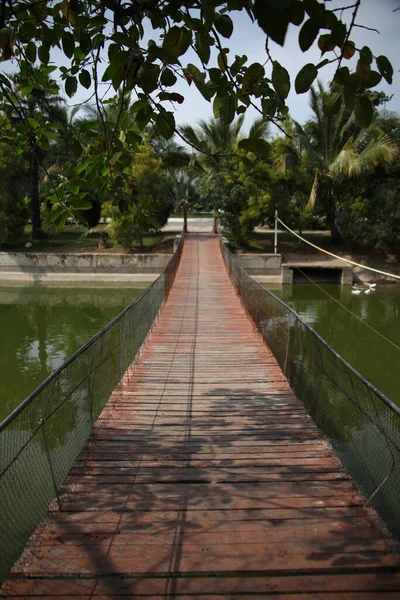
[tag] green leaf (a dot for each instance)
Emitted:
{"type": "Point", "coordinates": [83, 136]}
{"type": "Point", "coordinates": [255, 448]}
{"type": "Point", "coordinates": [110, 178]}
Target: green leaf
{"type": "Point", "coordinates": [365, 55]}
{"type": "Point", "coordinates": [222, 60]}
{"type": "Point", "coordinates": [342, 75]}
{"type": "Point", "coordinates": [168, 78]}
{"type": "Point", "coordinates": [76, 148]}
{"type": "Point", "coordinates": [313, 8]}
{"type": "Point", "coordinates": [273, 21]}
{"type": "Point", "coordinates": [296, 12]}
{"type": "Point", "coordinates": [348, 50]}
{"type": "Point", "coordinates": [148, 77]}
{"type": "Point", "coordinates": [68, 44]}
{"type": "Point", "coordinates": [363, 111]}
{"type": "Point", "coordinates": [280, 80]}
{"type": "Point", "coordinates": [85, 79]}
{"type": "Point", "coordinates": [257, 146]}
{"type": "Point", "coordinates": [173, 97]}
{"type": "Point", "coordinates": [349, 96]}
{"type": "Point", "coordinates": [30, 52]}
{"type": "Point", "coordinates": [79, 204]}
{"type": "Point", "coordinates": [326, 43]}
{"type": "Point", "coordinates": [269, 107]}
{"type": "Point", "coordinates": [333, 105]}
{"type": "Point", "coordinates": [138, 105]}
{"type": "Point", "coordinates": [71, 85]}
{"type": "Point", "coordinates": [203, 46]}
{"type": "Point", "coordinates": [224, 26]}
{"type": "Point", "coordinates": [208, 8]}
{"type": "Point", "coordinates": [338, 33]}
{"type": "Point", "coordinates": [165, 123]}
{"type": "Point", "coordinates": [385, 68]}
{"type": "Point", "coordinates": [252, 77]}
{"type": "Point", "coordinates": [308, 34]}
{"type": "Point", "coordinates": [224, 107]}
{"type": "Point", "coordinates": [56, 212]}
{"type": "Point", "coordinates": [305, 78]}
{"type": "Point", "coordinates": [177, 40]}
{"type": "Point", "coordinates": [33, 122]}
{"type": "Point", "coordinates": [372, 79]}
{"type": "Point", "coordinates": [192, 73]}
{"type": "Point", "coordinates": [43, 54]}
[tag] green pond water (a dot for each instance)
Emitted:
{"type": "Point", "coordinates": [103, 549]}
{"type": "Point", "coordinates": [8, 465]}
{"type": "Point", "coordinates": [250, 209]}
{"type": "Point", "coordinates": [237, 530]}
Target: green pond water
{"type": "Point", "coordinates": [40, 327]}
{"type": "Point", "coordinates": [374, 357]}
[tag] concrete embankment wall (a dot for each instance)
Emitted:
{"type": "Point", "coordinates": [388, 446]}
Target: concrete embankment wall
{"type": "Point", "coordinates": [49, 266]}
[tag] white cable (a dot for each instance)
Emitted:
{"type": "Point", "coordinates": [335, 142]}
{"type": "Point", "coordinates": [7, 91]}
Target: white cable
{"type": "Point", "coordinates": [336, 256]}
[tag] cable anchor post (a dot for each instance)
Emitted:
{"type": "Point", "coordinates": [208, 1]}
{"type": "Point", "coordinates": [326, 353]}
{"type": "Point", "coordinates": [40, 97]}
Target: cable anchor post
{"type": "Point", "coordinates": [276, 233]}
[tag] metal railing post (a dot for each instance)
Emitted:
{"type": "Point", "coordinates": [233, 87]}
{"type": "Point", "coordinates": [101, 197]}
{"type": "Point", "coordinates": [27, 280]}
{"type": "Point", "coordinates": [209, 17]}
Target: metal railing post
{"type": "Point", "coordinates": [276, 233]}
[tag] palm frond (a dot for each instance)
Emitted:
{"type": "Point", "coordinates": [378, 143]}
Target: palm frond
{"type": "Point", "coordinates": [260, 129]}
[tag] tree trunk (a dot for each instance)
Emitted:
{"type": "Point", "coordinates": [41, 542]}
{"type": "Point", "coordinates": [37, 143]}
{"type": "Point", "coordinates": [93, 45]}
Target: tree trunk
{"type": "Point", "coordinates": [331, 217]}
{"type": "Point", "coordinates": [34, 191]}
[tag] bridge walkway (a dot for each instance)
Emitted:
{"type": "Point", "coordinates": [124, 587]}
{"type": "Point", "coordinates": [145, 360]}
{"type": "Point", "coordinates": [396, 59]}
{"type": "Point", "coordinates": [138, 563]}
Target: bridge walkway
{"type": "Point", "coordinates": [205, 477]}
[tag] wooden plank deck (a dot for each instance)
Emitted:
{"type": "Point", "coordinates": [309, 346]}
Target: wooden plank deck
{"type": "Point", "coordinates": [205, 477]}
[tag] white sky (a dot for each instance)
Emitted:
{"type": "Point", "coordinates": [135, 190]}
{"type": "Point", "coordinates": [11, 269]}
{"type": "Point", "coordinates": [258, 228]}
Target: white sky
{"type": "Point", "coordinates": [249, 39]}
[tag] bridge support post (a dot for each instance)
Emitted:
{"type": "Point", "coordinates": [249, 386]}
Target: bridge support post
{"type": "Point", "coordinates": [214, 229]}
{"type": "Point", "coordinates": [185, 228]}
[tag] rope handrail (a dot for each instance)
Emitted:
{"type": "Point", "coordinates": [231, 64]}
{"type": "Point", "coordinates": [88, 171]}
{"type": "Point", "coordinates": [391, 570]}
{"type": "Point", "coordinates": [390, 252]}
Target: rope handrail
{"type": "Point", "coordinates": [351, 262]}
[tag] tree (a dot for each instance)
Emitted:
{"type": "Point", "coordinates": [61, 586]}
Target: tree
{"type": "Point", "coordinates": [337, 148]}
{"type": "Point", "coordinates": [29, 31]}
{"type": "Point", "coordinates": [372, 211]}
{"type": "Point", "coordinates": [32, 116]}
{"type": "Point", "coordinates": [146, 204]}
{"type": "Point", "coordinates": [219, 164]}
{"type": "Point", "coordinates": [13, 212]}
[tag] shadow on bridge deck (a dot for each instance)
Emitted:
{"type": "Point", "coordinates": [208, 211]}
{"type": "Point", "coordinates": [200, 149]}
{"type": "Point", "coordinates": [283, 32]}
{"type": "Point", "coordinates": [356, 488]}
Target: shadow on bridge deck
{"type": "Point", "coordinates": [205, 477]}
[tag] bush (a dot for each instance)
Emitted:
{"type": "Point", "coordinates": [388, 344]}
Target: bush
{"type": "Point", "coordinates": [13, 210]}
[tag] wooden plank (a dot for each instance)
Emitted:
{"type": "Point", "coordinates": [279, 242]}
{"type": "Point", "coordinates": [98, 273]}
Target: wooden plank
{"type": "Point", "coordinates": [204, 476]}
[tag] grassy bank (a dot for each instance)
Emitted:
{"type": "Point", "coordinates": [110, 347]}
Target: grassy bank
{"type": "Point", "coordinates": [76, 239]}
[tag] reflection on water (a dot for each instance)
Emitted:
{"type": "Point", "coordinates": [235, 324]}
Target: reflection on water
{"type": "Point", "coordinates": [40, 327]}
{"type": "Point", "coordinates": [364, 349]}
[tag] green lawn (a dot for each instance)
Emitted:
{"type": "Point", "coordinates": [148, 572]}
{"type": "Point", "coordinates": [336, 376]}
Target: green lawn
{"type": "Point", "coordinates": [264, 241]}
{"type": "Point", "coordinates": [193, 215]}
{"type": "Point", "coordinates": [73, 239]}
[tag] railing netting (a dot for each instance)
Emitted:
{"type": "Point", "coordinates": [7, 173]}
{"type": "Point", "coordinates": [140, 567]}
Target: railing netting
{"type": "Point", "coordinates": [362, 424]}
{"type": "Point", "coordinates": [41, 439]}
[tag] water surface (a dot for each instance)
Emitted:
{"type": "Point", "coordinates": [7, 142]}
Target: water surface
{"type": "Point", "coordinates": [373, 356]}
{"type": "Point", "coordinates": [40, 327]}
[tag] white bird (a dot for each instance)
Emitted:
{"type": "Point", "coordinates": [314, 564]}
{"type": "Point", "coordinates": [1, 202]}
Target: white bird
{"type": "Point", "coordinates": [368, 291]}
{"type": "Point", "coordinates": [372, 286]}
{"type": "Point", "coordinates": [356, 291]}
{"type": "Point", "coordinates": [28, 245]}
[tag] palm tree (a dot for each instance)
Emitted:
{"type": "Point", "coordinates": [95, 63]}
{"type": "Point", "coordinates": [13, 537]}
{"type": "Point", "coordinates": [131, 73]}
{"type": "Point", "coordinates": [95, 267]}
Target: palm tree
{"type": "Point", "coordinates": [217, 140]}
{"type": "Point", "coordinates": [41, 103]}
{"type": "Point", "coordinates": [336, 148]}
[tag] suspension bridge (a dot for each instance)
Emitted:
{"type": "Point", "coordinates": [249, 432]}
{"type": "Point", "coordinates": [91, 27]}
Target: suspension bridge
{"type": "Point", "coordinates": [200, 473]}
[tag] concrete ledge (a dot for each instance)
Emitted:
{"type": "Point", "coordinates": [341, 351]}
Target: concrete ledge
{"type": "Point", "coordinates": [260, 264]}
{"type": "Point", "coordinates": [346, 273]}
{"type": "Point", "coordinates": [268, 278]}
{"type": "Point", "coordinates": [83, 279]}
{"type": "Point", "coordinates": [48, 262]}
